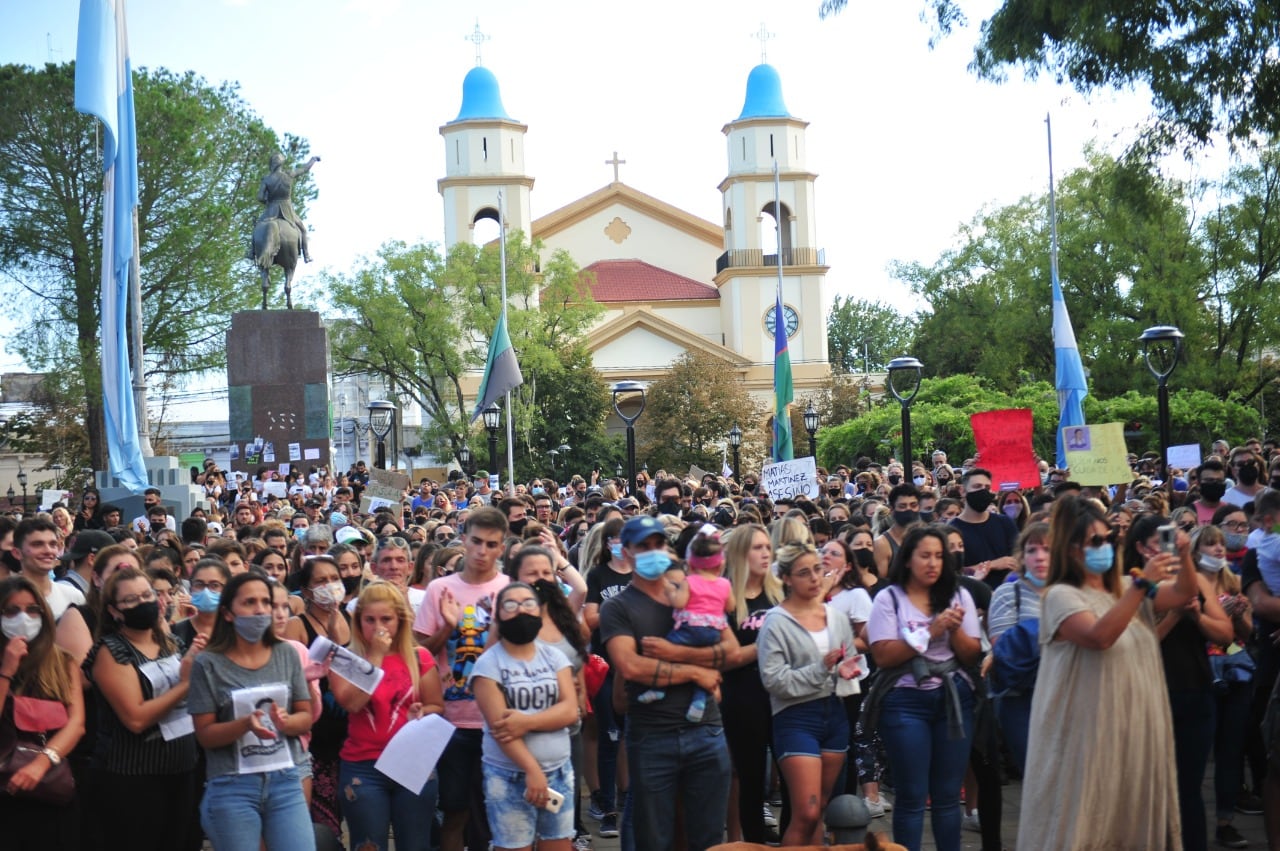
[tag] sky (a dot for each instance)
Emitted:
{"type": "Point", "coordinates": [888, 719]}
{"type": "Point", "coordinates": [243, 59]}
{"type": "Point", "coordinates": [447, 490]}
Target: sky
{"type": "Point", "coordinates": [906, 142]}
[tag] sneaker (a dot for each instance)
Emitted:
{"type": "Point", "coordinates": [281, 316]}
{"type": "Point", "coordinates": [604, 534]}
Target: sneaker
{"type": "Point", "coordinates": [595, 812]}
{"type": "Point", "coordinates": [1228, 837]}
{"type": "Point", "coordinates": [770, 820]}
{"type": "Point", "coordinates": [1249, 804]}
{"type": "Point", "coordinates": [875, 809]}
{"type": "Point", "coordinates": [582, 843]}
{"type": "Point", "coordinates": [970, 822]}
{"type": "Point", "coordinates": [609, 826]}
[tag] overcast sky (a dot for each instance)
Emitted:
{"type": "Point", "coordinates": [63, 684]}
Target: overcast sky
{"type": "Point", "coordinates": [907, 144]}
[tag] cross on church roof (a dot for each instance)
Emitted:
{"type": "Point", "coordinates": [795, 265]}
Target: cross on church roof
{"type": "Point", "coordinates": [615, 162]}
{"type": "Point", "coordinates": [764, 35]}
{"type": "Point", "coordinates": [478, 38]}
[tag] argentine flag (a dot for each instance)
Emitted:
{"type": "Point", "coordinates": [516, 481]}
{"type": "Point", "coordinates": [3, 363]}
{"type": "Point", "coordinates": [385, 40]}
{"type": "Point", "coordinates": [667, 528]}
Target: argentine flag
{"type": "Point", "coordinates": [1069, 377]}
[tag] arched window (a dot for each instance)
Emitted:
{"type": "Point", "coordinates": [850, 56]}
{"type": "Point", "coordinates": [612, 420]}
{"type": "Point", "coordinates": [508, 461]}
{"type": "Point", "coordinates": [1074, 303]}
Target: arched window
{"type": "Point", "coordinates": [485, 226]}
{"type": "Point", "coordinates": [770, 236]}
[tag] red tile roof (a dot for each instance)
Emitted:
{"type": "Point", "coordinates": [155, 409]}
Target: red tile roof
{"type": "Point", "coordinates": [636, 280]}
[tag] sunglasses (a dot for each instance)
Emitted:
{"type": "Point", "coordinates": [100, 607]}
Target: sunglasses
{"type": "Point", "coordinates": [393, 541]}
{"type": "Point", "coordinates": [1095, 541]}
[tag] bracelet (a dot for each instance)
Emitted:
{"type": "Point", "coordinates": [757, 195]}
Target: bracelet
{"type": "Point", "coordinates": [1146, 586]}
{"type": "Point", "coordinates": [6, 677]}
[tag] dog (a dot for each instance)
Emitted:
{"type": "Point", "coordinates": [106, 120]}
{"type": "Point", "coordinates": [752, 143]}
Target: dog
{"type": "Point", "coordinates": [873, 843]}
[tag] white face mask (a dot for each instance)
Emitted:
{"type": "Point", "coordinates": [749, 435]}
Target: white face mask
{"type": "Point", "coordinates": [1209, 564]}
{"type": "Point", "coordinates": [328, 595]}
{"type": "Point", "coordinates": [21, 625]}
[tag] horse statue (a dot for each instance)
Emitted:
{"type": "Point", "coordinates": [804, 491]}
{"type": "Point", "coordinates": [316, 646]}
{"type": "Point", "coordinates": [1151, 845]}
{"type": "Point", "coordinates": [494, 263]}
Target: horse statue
{"type": "Point", "coordinates": [276, 242]}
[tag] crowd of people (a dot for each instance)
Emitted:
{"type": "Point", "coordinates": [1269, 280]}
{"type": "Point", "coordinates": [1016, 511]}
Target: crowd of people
{"type": "Point", "coordinates": [690, 662]}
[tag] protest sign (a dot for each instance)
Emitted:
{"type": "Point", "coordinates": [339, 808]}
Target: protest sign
{"type": "Point", "coordinates": [1004, 446]}
{"type": "Point", "coordinates": [789, 479]}
{"type": "Point", "coordinates": [1184, 456]}
{"type": "Point", "coordinates": [1100, 456]}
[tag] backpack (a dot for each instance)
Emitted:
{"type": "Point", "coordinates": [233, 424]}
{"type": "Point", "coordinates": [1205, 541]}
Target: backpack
{"type": "Point", "coordinates": [1015, 658]}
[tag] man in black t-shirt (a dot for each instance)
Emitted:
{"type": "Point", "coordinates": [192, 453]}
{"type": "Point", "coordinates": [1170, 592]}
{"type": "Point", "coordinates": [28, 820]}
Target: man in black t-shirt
{"type": "Point", "coordinates": [989, 538]}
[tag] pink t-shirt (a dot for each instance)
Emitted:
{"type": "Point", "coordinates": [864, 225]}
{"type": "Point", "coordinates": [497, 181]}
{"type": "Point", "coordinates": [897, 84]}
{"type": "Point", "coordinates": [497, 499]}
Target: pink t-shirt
{"type": "Point", "coordinates": [369, 730]}
{"type": "Point", "coordinates": [883, 625]}
{"type": "Point", "coordinates": [708, 596]}
{"type": "Point", "coordinates": [464, 645]}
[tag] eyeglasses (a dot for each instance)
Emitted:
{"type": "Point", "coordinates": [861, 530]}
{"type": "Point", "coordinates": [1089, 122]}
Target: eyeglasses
{"type": "Point", "coordinates": [135, 600]}
{"type": "Point", "coordinates": [529, 605]}
{"type": "Point", "coordinates": [1095, 541]}
{"type": "Point", "coordinates": [89, 496]}
{"type": "Point", "coordinates": [1235, 526]}
{"type": "Point", "coordinates": [215, 586]}
{"type": "Point", "coordinates": [393, 541]}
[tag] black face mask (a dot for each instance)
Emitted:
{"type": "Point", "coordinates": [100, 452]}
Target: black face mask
{"type": "Point", "coordinates": [520, 629]}
{"type": "Point", "coordinates": [866, 559]}
{"type": "Point", "coordinates": [141, 616]}
{"type": "Point", "coordinates": [1213, 491]}
{"type": "Point", "coordinates": [979, 500]}
{"type": "Point", "coordinates": [926, 516]}
{"type": "Point", "coordinates": [517, 527]}
{"type": "Point", "coordinates": [351, 584]}
{"type": "Point", "coordinates": [905, 518]}
{"type": "Point", "coordinates": [546, 589]}
{"type": "Point", "coordinates": [894, 478]}
{"type": "Point", "coordinates": [1248, 475]}
{"type": "Point", "coordinates": [669, 507]}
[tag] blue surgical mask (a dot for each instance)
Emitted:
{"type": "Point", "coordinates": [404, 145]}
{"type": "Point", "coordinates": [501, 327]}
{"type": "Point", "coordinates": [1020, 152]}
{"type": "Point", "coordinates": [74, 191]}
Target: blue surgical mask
{"type": "Point", "coordinates": [1099, 559]}
{"type": "Point", "coordinates": [616, 550]}
{"type": "Point", "coordinates": [653, 564]}
{"type": "Point", "coordinates": [251, 628]}
{"type": "Point", "coordinates": [1035, 580]}
{"type": "Point", "coordinates": [206, 601]}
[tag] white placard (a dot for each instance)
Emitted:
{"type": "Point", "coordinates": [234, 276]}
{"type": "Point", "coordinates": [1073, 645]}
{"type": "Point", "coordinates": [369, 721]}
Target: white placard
{"type": "Point", "coordinates": [358, 671]}
{"type": "Point", "coordinates": [311, 454]}
{"type": "Point", "coordinates": [277, 489]}
{"type": "Point", "coordinates": [412, 754]}
{"type": "Point", "coordinates": [295, 451]}
{"type": "Point", "coordinates": [1184, 456]}
{"type": "Point", "coordinates": [255, 755]}
{"type": "Point", "coordinates": [786, 479]}
{"type": "Point", "coordinates": [164, 674]}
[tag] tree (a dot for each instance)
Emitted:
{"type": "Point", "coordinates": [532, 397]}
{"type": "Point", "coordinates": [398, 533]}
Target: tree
{"type": "Point", "coordinates": [201, 151]}
{"type": "Point", "coordinates": [863, 336]}
{"type": "Point", "coordinates": [1211, 65]}
{"type": "Point", "coordinates": [422, 321]}
{"type": "Point", "coordinates": [689, 412]}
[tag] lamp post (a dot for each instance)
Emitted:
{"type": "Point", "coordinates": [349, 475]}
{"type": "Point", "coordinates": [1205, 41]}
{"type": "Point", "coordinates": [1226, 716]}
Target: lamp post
{"type": "Point", "coordinates": [10, 495]}
{"type": "Point", "coordinates": [22, 482]}
{"type": "Point", "coordinates": [492, 416]}
{"type": "Point", "coordinates": [904, 384]}
{"type": "Point", "coordinates": [382, 416]}
{"type": "Point", "coordinates": [629, 396]}
{"type": "Point", "coordinates": [464, 458]}
{"type": "Point", "coordinates": [735, 443]}
{"type": "Point", "coordinates": [811, 421]}
{"type": "Point", "coordinates": [57, 475]}
{"type": "Point", "coordinates": [1161, 349]}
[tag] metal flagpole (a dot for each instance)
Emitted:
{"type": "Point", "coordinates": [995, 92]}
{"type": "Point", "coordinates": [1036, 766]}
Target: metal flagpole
{"type": "Point", "coordinates": [135, 348]}
{"type": "Point", "coordinates": [1053, 209]}
{"type": "Point", "coordinates": [502, 254]}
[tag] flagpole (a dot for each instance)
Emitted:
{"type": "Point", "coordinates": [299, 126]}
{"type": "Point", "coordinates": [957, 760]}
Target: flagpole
{"type": "Point", "coordinates": [502, 254]}
{"type": "Point", "coordinates": [1053, 207]}
{"type": "Point", "coordinates": [135, 351]}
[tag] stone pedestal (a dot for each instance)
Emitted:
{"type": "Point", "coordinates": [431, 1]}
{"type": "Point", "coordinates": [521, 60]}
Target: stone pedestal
{"type": "Point", "coordinates": [164, 472]}
{"type": "Point", "coordinates": [278, 389]}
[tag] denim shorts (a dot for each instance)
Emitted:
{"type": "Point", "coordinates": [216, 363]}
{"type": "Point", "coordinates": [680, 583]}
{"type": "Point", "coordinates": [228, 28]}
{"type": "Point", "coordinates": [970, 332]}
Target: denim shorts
{"type": "Point", "coordinates": [515, 822]}
{"type": "Point", "coordinates": [811, 729]}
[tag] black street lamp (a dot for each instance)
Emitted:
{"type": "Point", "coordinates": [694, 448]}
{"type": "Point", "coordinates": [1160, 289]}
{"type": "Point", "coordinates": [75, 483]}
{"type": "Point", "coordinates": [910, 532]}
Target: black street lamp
{"type": "Point", "coordinates": [629, 396]}
{"type": "Point", "coordinates": [382, 416]}
{"type": "Point", "coordinates": [811, 421]}
{"type": "Point", "coordinates": [22, 482]}
{"type": "Point", "coordinates": [492, 417]}
{"type": "Point", "coordinates": [904, 384]}
{"type": "Point", "coordinates": [735, 443]}
{"type": "Point", "coordinates": [464, 458]}
{"type": "Point", "coordinates": [57, 475]}
{"type": "Point", "coordinates": [1161, 348]}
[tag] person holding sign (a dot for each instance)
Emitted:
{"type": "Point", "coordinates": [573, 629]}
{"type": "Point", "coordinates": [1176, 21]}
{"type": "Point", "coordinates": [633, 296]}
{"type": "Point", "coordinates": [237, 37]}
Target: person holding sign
{"type": "Point", "coordinates": [250, 703]}
{"type": "Point", "coordinates": [410, 688]}
{"type": "Point", "coordinates": [146, 747]}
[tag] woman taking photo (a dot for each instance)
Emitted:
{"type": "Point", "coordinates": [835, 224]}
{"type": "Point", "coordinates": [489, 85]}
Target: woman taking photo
{"type": "Point", "coordinates": [525, 691]}
{"type": "Point", "coordinates": [1100, 721]}
{"type": "Point", "coordinates": [34, 670]}
{"type": "Point", "coordinates": [923, 631]}
{"type": "Point", "coordinates": [800, 646]}
{"type": "Point", "coordinates": [373, 804]}
{"type": "Point", "coordinates": [145, 748]}
{"type": "Point", "coordinates": [250, 703]}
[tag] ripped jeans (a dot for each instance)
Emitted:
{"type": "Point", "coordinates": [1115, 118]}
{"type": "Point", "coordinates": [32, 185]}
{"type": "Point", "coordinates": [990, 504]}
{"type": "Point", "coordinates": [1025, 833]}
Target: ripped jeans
{"type": "Point", "coordinates": [372, 803]}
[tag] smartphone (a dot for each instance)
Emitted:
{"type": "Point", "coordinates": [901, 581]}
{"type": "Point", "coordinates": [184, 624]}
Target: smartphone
{"type": "Point", "coordinates": [554, 801]}
{"type": "Point", "coordinates": [1168, 538]}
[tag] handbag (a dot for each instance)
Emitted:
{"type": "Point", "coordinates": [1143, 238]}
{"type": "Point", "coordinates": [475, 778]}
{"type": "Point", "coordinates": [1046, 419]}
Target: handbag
{"type": "Point", "coordinates": [1015, 658]}
{"type": "Point", "coordinates": [1228, 668]}
{"type": "Point", "coordinates": [24, 728]}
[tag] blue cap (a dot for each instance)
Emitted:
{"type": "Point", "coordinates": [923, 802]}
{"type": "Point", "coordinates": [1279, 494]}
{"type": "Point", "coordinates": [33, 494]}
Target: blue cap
{"type": "Point", "coordinates": [639, 528]}
{"type": "Point", "coordinates": [481, 98]}
{"type": "Point", "coordinates": [764, 95]}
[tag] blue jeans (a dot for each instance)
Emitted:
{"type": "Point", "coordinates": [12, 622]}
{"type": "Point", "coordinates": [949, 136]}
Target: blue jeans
{"type": "Point", "coordinates": [927, 763]}
{"type": "Point", "coordinates": [373, 803]}
{"type": "Point", "coordinates": [692, 762]}
{"type": "Point", "coordinates": [241, 811]}
{"type": "Point", "coordinates": [1014, 715]}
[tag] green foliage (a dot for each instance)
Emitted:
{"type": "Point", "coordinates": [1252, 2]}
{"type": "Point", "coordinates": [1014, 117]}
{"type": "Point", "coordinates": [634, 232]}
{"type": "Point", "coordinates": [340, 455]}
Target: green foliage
{"type": "Point", "coordinates": [688, 414]}
{"type": "Point", "coordinates": [422, 321]}
{"type": "Point", "coordinates": [200, 153]}
{"type": "Point", "coordinates": [1195, 416]}
{"type": "Point", "coordinates": [863, 336]}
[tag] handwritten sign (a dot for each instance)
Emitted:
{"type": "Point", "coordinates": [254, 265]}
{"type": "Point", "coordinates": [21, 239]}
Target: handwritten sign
{"type": "Point", "coordinates": [789, 479]}
{"type": "Point", "coordinates": [1184, 456]}
{"type": "Point", "coordinates": [1004, 446]}
{"type": "Point", "coordinates": [1104, 461]}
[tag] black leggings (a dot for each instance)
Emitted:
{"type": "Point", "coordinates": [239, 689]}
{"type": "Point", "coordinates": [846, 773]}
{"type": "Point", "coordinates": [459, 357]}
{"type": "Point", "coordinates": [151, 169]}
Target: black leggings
{"type": "Point", "coordinates": [748, 727]}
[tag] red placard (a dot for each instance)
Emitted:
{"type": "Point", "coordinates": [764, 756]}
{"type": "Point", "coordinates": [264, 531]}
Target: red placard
{"type": "Point", "coordinates": [1004, 447]}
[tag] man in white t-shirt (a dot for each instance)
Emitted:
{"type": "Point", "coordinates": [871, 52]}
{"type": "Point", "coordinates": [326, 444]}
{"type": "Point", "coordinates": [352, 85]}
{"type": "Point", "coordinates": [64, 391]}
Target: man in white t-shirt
{"type": "Point", "coordinates": [142, 524]}
{"type": "Point", "coordinates": [453, 623]}
{"type": "Point", "coordinates": [38, 547]}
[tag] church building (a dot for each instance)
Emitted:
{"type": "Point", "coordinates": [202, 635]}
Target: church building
{"type": "Point", "coordinates": [668, 281]}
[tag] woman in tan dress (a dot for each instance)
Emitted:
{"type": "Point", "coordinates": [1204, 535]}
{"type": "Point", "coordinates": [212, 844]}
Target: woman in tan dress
{"type": "Point", "coordinates": [1100, 763]}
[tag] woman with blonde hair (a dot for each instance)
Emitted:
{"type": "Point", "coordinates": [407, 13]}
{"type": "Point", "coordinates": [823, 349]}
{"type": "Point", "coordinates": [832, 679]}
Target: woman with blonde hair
{"type": "Point", "coordinates": [790, 530]}
{"type": "Point", "coordinates": [409, 689]}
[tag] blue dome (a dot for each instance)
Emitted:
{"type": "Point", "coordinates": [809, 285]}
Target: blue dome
{"type": "Point", "coordinates": [480, 96]}
{"type": "Point", "coordinates": [764, 95]}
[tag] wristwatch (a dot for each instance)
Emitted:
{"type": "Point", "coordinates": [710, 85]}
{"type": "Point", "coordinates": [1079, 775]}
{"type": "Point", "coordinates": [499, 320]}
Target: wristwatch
{"type": "Point", "coordinates": [54, 758]}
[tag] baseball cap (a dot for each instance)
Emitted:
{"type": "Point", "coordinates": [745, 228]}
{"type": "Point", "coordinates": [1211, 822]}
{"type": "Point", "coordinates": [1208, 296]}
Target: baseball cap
{"type": "Point", "coordinates": [87, 542]}
{"type": "Point", "coordinates": [639, 528]}
{"type": "Point", "coordinates": [348, 534]}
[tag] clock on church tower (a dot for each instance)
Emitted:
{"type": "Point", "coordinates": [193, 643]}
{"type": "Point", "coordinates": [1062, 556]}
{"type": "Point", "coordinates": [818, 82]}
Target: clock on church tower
{"type": "Point", "coordinates": [789, 318]}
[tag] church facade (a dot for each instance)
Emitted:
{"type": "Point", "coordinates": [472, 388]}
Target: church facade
{"type": "Point", "coordinates": [669, 281]}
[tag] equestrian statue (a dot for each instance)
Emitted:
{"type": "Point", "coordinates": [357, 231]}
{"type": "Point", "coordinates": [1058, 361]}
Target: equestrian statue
{"type": "Point", "coordinates": [280, 237]}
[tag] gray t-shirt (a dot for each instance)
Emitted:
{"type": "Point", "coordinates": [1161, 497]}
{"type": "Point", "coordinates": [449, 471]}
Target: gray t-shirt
{"type": "Point", "coordinates": [530, 687]}
{"type": "Point", "coordinates": [217, 682]}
